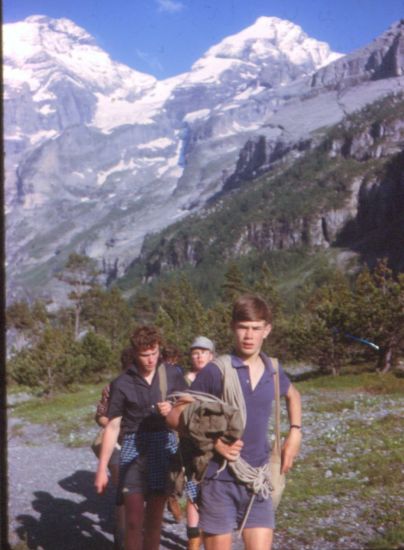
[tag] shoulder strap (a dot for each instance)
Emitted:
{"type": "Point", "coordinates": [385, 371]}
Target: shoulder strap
{"type": "Point", "coordinates": [162, 374]}
{"type": "Point", "coordinates": [232, 392]}
{"type": "Point", "coordinates": [277, 445]}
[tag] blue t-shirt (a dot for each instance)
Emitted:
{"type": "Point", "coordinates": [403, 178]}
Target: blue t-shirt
{"type": "Point", "coordinates": [258, 405]}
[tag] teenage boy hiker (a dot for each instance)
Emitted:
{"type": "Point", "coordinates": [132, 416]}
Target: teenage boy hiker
{"type": "Point", "coordinates": [202, 352]}
{"type": "Point", "coordinates": [137, 408]}
{"type": "Point", "coordinates": [223, 499]}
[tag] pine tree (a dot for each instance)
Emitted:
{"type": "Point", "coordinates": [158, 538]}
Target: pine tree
{"type": "Point", "coordinates": [53, 363]}
{"type": "Point", "coordinates": [80, 273]}
{"type": "Point", "coordinates": [379, 312]}
{"type": "Point", "coordinates": [109, 315]}
{"type": "Point", "coordinates": [234, 284]}
{"type": "Point", "coordinates": [266, 287]}
{"type": "Point", "coordinates": [28, 322]}
{"type": "Point", "coordinates": [318, 333]}
{"type": "Point", "coordinates": [181, 316]}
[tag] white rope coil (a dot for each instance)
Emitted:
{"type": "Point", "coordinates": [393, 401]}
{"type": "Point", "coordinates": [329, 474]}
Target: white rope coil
{"type": "Point", "coordinates": [256, 479]}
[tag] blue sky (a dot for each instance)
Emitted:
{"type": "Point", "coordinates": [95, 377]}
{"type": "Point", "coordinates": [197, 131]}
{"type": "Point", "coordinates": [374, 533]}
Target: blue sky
{"type": "Point", "coordinates": [164, 37]}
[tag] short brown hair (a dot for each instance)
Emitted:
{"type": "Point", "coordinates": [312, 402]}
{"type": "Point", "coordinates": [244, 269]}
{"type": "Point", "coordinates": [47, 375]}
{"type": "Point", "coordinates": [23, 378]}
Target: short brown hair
{"type": "Point", "coordinates": [145, 337]}
{"type": "Point", "coordinates": [171, 354]}
{"type": "Point", "coordinates": [251, 307]}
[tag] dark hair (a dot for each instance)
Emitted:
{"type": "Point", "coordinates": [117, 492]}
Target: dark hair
{"type": "Point", "coordinates": [145, 337]}
{"type": "Point", "coordinates": [251, 307]}
{"type": "Point", "coordinates": [127, 358]}
{"type": "Point", "coordinates": [171, 354]}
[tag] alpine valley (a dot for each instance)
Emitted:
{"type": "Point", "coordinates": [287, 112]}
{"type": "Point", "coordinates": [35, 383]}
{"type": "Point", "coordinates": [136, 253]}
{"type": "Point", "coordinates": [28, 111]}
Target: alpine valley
{"type": "Point", "coordinates": [270, 142]}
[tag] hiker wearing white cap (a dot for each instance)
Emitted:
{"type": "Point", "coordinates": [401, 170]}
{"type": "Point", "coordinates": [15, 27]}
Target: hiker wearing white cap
{"type": "Point", "coordinates": [202, 352]}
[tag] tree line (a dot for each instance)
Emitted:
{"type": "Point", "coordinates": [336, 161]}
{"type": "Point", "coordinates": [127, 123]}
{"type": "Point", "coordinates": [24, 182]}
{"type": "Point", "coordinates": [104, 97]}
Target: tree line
{"type": "Point", "coordinates": [344, 321]}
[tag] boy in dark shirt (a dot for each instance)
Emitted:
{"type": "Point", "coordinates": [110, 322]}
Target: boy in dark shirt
{"type": "Point", "coordinates": [137, 409]}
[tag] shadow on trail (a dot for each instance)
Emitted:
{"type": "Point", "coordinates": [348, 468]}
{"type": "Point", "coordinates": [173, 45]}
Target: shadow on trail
{"type": "Point", "coordinates": [172, 541]}
{"type": "Point", "coordinates": [68, 525]}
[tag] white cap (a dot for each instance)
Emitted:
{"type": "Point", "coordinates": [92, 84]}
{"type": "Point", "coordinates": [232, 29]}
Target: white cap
{"type": "Point", "coordinates": [202, 342]}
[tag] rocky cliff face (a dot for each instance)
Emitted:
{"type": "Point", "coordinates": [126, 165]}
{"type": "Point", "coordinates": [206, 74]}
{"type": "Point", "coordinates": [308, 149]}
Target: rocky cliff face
{"type": "Point", "coordinates": [384, 58]}
{"type": "Point", "coordinates": [99, 155]}
{"type": "Point", "coordinates": [370, 221]}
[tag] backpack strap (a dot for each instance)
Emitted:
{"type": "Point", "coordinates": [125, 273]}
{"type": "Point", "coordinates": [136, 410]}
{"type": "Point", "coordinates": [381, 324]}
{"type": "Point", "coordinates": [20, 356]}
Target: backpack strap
{"type": "Point", "coordinates": [232, 392]}
{"type": "Point", "coordinates": [277, 444]}
{"type": "Point", "coordinates": [162, 374]}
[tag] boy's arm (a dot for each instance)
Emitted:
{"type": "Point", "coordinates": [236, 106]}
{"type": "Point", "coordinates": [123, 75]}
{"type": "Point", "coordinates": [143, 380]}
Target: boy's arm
{"type": "Point", "coordinates": [102, 421]}
{"type": "Point", "coordinates": [109, 440]}
{"type": "Point", "coordinates": [293, 441]}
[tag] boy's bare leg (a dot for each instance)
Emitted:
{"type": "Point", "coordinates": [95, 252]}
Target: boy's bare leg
{"type": "Point", "coordinates": [192, 514]}
{"type": "Point", "coordinates": [217, 542]}
{"type": "Point", "coordinates": [119, 527]}
{"type": "Point", "coordinates": [153, 520]}
{"type": "Point", "coordinates": [258, 538]}
{"type": "Point", "coordinates": [134, 517]}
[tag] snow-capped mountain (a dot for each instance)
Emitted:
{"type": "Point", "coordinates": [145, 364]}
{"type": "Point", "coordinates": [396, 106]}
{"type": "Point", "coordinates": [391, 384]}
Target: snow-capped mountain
{"type": "Point", "coordinates": [99, 155]}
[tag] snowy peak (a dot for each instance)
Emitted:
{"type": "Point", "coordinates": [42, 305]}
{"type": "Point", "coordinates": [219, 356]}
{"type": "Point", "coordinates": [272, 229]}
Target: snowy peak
{"type": "Point", "coordinates": [56, 77]}
{"type": "Point", "coordinates": [58, 34]}
{"type": "Point", "coordinates": [271, 39]}
{"type": "Point", "coordinates": [41, 43]}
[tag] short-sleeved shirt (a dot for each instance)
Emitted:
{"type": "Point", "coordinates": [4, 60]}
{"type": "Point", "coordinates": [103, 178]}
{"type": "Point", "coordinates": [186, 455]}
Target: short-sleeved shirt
{"type": "Point", "coordinates": [258, 405]}
{"type": "Point", "coordinates": [135, 400]}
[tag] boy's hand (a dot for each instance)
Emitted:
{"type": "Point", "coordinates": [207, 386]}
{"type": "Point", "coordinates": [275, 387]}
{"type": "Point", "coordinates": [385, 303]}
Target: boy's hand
{"type": "Point", "coordinates": [290, 449]}
{"type": "Point", "coordinates": [101, 480]}
{"type": "Point", "coordinates": [229, 452]}
{"type": "Point", "coordinates": [164, 407]}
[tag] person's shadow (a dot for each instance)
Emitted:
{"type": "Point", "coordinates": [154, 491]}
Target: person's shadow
{"type": "Point", "coordinates": [68, 525]}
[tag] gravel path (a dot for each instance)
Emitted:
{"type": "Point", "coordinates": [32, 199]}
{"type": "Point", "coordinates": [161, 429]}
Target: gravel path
{"type": "Point", "coordinates": [52, 502]}
{"type": "Point", "coordinates": [53, 505]}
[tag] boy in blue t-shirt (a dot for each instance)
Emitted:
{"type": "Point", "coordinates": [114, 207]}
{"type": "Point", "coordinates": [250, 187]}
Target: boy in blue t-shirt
{"type": "Point", "coordinates": [224, 500]}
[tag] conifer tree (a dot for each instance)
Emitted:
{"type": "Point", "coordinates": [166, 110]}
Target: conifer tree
{"type": "Point", "coordinates": [181, 316]}
{"type": "Point", "coordinates": [53, 363]}
{"type": "Point", "coordinates": [143, 308]}
{"type": "Point", "coordinates": [80, 273]}
{"type": "Point", "coordinates": [266, 287]}
{"type": "Point", "coordinates": [234, 284]}
{"type": "Point", "coordinates": [379, 312]}
{"type": "Point", "coordinates": [318, 333]}
{"type": "Point", "coordinates": [28, 321]}
{"type": "Point", "coordinates": [109, 315]}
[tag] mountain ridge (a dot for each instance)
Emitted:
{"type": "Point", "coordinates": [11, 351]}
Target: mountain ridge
{"type": "Point", "coordinates": [101, 189]}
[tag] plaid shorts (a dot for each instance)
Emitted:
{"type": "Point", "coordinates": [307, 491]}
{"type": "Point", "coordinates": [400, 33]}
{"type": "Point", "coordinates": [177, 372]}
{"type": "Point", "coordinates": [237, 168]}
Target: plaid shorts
{"type": "Point", "coordinates": [156, 450]}
{"type": "Point", "coordinates": [191, 490]}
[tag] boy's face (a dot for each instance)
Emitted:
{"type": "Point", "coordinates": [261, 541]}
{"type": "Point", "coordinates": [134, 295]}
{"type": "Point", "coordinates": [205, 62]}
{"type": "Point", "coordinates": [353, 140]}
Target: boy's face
{"type": "Point", "coordinates": [200, 358]}
{"type": "Point", "coordinates": [147, 359]}
{"type": "Point", "coordinates": [249, 337]}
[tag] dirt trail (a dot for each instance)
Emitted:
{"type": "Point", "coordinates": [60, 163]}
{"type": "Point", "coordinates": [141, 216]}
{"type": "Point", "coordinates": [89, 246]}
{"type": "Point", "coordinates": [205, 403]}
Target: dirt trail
{"type": "Point", "coordinates": [52, 502]}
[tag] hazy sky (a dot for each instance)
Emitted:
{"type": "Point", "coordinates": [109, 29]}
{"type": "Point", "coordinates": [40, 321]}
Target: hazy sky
{"type": "Point", "coordinates": [164, 37]}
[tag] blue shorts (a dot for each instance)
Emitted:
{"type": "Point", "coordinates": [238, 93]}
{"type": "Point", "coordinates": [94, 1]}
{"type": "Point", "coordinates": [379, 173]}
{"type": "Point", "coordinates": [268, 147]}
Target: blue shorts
{"type": "Point", "coordinates": [222, 506]}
